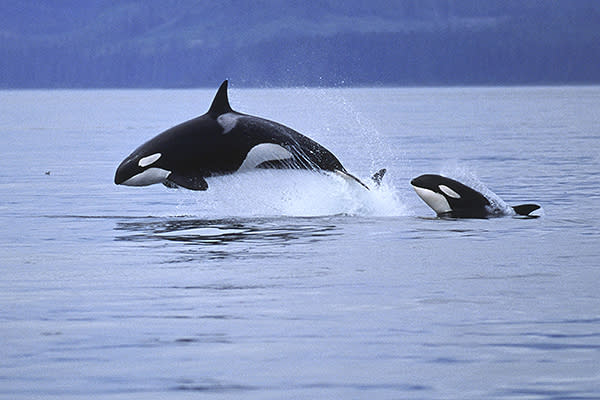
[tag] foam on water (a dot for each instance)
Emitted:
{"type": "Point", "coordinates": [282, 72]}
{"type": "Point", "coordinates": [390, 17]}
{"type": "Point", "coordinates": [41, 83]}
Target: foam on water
{"type": "Point", "coordinates": [288, 193]}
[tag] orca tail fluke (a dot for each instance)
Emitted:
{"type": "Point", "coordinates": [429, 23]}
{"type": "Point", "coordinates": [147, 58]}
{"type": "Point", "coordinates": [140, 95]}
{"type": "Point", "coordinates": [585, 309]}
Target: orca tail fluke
{"type": "Point", "coordinates": [378, 176]}
{"type": "Point", "coordinates": [526, 210]}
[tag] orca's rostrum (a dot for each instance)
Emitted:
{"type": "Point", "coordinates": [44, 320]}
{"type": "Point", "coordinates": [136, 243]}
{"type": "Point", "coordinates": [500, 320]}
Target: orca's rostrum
{"type": "Point", "coordinates": [220, 142]}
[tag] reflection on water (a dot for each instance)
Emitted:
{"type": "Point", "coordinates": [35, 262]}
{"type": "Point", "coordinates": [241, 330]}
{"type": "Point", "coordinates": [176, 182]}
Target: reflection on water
{"type": "Point", "coordinates": [219, 232]}
{"type": "Point", "coordinates": [228, 238]}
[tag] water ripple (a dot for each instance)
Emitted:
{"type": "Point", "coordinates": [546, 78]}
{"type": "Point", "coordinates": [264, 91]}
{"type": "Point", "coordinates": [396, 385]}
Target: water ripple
{"type": "Point", "coordinates": [222, 232]}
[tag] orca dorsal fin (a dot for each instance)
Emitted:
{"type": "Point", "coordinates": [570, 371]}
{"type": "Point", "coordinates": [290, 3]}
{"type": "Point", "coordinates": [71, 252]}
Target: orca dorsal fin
{"type": "Point", "coordinates": [220, 104]}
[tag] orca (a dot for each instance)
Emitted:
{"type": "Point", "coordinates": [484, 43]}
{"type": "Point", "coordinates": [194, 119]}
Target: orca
{"type": "Point", "coordinates": [222, 141]}
{"type": "Point", "coordinates": [452, 199]}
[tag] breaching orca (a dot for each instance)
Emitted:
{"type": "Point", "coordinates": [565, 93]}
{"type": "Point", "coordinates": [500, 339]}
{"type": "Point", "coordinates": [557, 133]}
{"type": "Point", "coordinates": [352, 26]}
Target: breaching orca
{"type": "Point", "coordinates": [452, 199]}
{"type": "Point", "coordinates": [222, 141]}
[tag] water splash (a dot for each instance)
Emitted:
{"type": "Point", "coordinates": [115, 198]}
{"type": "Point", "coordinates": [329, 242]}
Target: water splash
{"type": "Point", "coordinates": [288, 193]}
{"type": "Point", "coordinates": [374, 152]}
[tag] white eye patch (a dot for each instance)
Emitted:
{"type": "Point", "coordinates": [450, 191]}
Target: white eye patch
{"type": "Point", "coordinates": [449, 192]}
{"type": "Point", "coordinates": [149, 160]}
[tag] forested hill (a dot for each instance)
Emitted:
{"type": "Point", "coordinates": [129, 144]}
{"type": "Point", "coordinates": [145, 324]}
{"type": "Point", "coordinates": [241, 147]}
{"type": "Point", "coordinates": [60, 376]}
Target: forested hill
{"type": "Point", "coordinates": [189, 43]}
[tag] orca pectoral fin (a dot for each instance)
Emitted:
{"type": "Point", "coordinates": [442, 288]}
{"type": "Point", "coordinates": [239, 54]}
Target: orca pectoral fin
{"type": "Point", "coordinates": [526, 210]}
{"type": "Point", "coordinates": [170, 184]}
{"type": "Point", "coordinates": [188, 182]}
{"type": "Point", "coordinates": [378, 176]}
{"type": "Point", "coordinates": [350, 177]}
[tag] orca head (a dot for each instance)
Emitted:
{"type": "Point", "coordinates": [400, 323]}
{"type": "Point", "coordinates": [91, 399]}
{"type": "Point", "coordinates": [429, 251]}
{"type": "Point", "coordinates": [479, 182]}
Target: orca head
{"type": "Point", "coordinates": [141, 168]}
{"type": "Point", "coordinates": [448, 197]}
{"type": "Point", "coordinates": [428, 189]}
{"type": "Point", "coordinates": [177, 149]}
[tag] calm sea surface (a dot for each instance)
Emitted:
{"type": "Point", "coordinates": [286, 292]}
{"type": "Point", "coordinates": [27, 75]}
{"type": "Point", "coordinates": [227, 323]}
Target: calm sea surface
{"type": "Point", "coordinates": [296, 285]}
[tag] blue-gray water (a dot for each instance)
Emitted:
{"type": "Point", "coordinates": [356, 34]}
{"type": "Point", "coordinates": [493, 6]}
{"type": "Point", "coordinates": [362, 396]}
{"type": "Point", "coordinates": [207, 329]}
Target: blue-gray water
{"type": "Point", "coordinates": [297, 285]}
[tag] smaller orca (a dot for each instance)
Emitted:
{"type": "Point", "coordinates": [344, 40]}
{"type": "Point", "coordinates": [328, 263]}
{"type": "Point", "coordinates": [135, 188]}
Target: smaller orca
{"type": "Point", "coordinates": [452, 199]}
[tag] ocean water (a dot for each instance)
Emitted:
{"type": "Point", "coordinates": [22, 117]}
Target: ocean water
{"type": "Point", "coordinates": [297, 285]}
